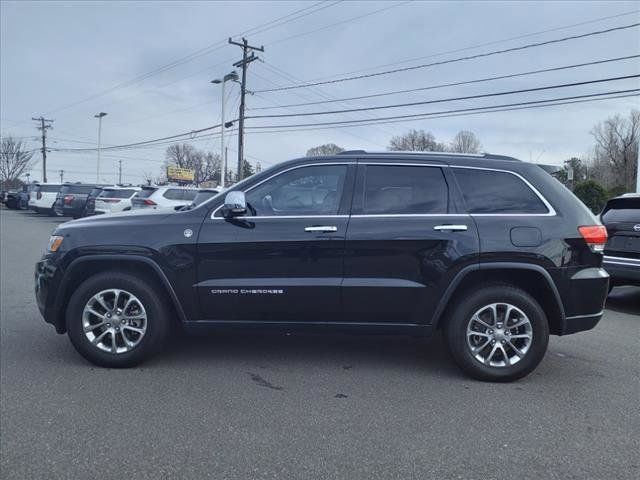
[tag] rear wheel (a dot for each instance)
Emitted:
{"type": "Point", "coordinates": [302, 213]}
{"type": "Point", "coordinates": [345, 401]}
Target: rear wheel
{"type": "Point", "coordinates": [497, 333]}
{"type": "Point", "coordinates": [117, 320]}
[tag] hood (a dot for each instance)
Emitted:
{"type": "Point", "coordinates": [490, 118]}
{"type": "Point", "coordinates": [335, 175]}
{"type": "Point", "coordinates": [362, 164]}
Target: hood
{"type": "Point", "coordinates": [137, 217]}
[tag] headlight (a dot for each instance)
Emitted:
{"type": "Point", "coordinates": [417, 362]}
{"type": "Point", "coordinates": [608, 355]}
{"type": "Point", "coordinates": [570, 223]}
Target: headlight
{"type": "Point", "coordinates": [54, 243]}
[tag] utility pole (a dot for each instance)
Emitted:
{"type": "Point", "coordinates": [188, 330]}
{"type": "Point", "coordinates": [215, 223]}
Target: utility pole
{"type": "Point", "coordinates": [637, 166]}
{"type": "Point", "coordinates": [246, 60]}
{"type": "Point", "coordinates": [119, 172]}
{"type": "Point", "coordinates": [61, 172]}
{"type": "Point", "coordinates": [43, 127]}
{"type": "Point", "coordinates": [99, 117]}
{"type": "Point", "coordinates": [224, 181]}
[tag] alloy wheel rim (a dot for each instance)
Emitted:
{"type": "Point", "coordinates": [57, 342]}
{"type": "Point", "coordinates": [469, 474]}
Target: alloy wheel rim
{"type": "Point", "coordinates": [499, 335]}
{"type": "Point", "coordinates": [114, 321]}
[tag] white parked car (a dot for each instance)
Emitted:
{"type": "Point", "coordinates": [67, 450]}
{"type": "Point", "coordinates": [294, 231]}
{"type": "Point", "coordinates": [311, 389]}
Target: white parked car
{"type": "Point", "coordinates": [163, 197]}
{"type": "Point", "coordinates": [115, 199]}
{"type": "Point", "coordinates": [43, 197]}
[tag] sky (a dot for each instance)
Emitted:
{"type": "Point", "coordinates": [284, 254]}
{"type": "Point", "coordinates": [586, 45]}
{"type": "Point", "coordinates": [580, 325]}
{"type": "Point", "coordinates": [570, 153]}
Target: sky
{"type": "Point", "coordinates": [70, 60]}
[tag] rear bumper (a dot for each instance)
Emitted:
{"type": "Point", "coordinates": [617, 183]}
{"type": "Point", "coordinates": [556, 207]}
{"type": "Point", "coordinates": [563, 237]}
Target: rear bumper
{"type": "Point", "coordinates": [623, 271]}
{"type": "Point", "coordinates": [584, 292]}
{"type": "Point", "coordinates": [580, 323]}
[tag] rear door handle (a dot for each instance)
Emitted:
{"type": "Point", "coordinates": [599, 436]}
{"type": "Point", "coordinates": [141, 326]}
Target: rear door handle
{"type": "Point", "coordinates": [451, 228]}
{"type": "Point", "coordinates": [321, 228]}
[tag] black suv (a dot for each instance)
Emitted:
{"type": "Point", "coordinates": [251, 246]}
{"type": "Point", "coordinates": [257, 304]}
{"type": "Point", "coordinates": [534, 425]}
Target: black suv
{"type": "Point", "coordinates": [621, 216]}
{"type": "Point", "coordinates": [493, 251]}
{"type": "Point", "coordinates": [71, 200]}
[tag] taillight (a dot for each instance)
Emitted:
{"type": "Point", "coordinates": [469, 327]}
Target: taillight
{"type": "Point", "coordinates": [595, 236]}
{"type": "Point", "coordinates": [68, 199]}
{"type": "Point", "coordinates": [149, 202]}
{"type": "Point", "coordinates": [39, 195]}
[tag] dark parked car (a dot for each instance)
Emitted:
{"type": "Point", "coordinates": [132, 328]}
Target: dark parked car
{"type": "Point", "coordinates": [493, 251]}
{"type": "Point", "coordinates": [71, 200]}
{"type": "Point", "coordinates": [90, 206]}
{"type": "Point", "coordinates": [621, 216]}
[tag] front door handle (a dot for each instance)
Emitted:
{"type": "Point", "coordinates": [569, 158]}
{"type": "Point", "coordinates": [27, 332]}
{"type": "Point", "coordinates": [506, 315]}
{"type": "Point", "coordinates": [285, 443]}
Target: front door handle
{"type": "Point", "coordinates": [321, 228]}
{"type": "Point", "coordinates": [451, 228]}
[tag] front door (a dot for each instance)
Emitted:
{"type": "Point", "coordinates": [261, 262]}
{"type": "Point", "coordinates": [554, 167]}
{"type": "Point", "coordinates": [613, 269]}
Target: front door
{"type": "Point", "coordinates": [406, 241]}
{"type": "Point", "coordinates": [283, 261]}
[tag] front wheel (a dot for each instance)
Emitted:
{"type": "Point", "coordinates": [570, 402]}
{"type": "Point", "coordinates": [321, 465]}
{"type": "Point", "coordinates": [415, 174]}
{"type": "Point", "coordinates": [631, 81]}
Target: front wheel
{"type": "Point", "coordinates": [497, 333]}
{"type": "Point", "coordinates": [117, 320]}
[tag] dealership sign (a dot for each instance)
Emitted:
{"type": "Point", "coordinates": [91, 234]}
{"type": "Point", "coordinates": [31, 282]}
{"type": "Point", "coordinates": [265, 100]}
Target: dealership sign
{"type": "Point", "coordinates": [179, 174]}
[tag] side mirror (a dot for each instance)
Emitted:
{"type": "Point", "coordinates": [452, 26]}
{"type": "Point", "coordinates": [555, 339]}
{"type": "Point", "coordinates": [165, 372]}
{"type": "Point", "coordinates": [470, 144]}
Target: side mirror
{"type": "Point", "coordinates": [235, 204]}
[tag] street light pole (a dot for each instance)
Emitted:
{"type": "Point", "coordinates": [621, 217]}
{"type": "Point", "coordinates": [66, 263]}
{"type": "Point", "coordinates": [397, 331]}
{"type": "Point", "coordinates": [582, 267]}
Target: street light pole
{"type": "Point", "coordinates": [223, 158]}
{"type": "Point", "coordinates": [99, 117]}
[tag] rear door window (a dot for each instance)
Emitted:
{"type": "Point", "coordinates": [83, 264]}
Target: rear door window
{"type": "Point", "coordinates": [189, 194]}
{"type": "Point", "coordinates": [402, 190]}
{"type": "Point", "coordinates": [494, 192]}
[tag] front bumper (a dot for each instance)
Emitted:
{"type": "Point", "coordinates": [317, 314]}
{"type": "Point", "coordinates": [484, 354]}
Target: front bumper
{"type": "Point", "coordinates": [47, 283]}
{"type": "Point", "coordinates": [623, 270]}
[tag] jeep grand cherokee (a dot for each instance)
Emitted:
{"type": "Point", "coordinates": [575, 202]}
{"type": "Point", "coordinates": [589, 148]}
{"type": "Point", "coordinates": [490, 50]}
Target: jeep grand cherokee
{"type": "Point", "coordinates": [493, 251]}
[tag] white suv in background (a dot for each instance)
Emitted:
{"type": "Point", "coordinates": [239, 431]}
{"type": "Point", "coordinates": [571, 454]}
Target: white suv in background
{"type": "Point", "coordinates": [115, 199]}
{"type": "Point", "coordinates": [163, 197]}
{"type": "Point", "coordinates": [43, 197]}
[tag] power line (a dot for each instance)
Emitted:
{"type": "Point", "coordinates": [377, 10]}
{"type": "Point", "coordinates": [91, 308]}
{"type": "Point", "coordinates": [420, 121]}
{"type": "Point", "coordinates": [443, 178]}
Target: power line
{"type": "Point", "coordinates": [424, 115]}
{"type": "Point", "coordinates": [451, 84]}
{"type": "Point", "coordinates": [486, 44]}
{"type": "Point", "coordinates": [335, 24]}
{"type": "Point", "coordinates": [481, 110]}
{"type": "Point", "coordinates": [198, 53]}
{"type": "Point", "coordinates": [459, 59]}
{"type": "Point", "coordinates": [427, 102]}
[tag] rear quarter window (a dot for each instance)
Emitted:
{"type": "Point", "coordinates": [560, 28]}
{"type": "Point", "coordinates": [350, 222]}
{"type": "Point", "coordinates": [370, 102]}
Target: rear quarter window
{"type": "Point", "coordinates": [174, 194]}
{"type": "Point", "coordinates": [494, 192]}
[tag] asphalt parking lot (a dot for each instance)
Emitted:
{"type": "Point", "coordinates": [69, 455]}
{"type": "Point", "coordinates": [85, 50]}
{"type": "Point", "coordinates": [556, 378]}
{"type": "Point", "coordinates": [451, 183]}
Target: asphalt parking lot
{"type": "Point", "coordinates": [288, 406]}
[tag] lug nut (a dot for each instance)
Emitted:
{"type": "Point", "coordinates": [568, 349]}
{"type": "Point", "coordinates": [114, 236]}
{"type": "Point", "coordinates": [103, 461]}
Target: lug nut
{"type": "Point", "coordinates": [109, 325]}
{"type": "Point", "coordinates": [493, 342]}
{"type": "Point", "coordinates": [117, 329]}
{"type": "Point", "coordinates": [504, 341]}
{"type": "Point", "coordinates": [499, 325]}
{"type": "Point", "coordinates": [491, 331]}
{"type": "Point", "coordinates": [108, 315]}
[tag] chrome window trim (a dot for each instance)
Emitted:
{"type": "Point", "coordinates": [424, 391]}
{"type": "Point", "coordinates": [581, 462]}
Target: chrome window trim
{"type": "Point", "coordinates": [213, 217]}
{"type": "Point", "coordinates": [551, 212]}
{"type": "Point", "coordinates": [402, 215]}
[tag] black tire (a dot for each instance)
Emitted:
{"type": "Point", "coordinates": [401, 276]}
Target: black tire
{"type": "Point", "coordinates": [455, 331]}
{"type": "Point", "coordinates": [158, 319]}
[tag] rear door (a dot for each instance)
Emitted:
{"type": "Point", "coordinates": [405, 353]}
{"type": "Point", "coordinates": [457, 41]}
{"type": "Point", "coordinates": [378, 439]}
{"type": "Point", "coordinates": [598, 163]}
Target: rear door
{"type": "Point", "coordinates": [405, 242]}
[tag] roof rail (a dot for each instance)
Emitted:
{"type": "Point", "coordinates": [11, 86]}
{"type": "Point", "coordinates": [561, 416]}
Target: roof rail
{"type": "Point", "coordinates": [490, 156]}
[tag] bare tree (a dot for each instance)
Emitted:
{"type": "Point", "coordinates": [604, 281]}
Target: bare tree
{"type": "Point", "coordinates": [617, 146]}
{"type": "Point", "coordinates": [15, 160]}
{"type": "Point", "coordinates": [207, 166]}
{"type": "Point", "coordinates": [416, 140]}
{"type": "Point", "coordinates": [326, 149]}
{"type": "Point", "coordinates": [465, 142]}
